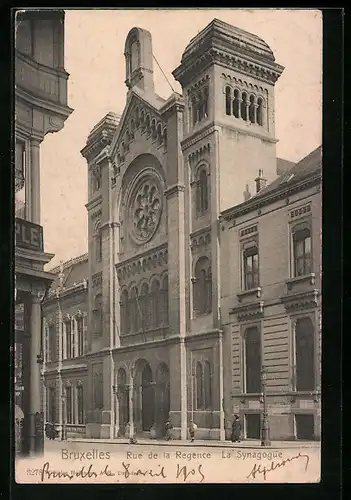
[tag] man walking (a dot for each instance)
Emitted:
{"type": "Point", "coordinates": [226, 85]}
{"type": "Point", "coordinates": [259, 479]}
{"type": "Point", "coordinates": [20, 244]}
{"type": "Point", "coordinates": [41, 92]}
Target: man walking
{"type": "Point", "coordinates": [192, 429]}
{"type": "Point", "coordinates": [236, 429]}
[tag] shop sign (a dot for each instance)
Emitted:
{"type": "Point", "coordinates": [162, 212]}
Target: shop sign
{"type": "Point", "coordinates": [29, 235]}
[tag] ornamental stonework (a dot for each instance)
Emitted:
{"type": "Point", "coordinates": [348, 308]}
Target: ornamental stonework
{"type": "Point", "coordinates": [145, 210]}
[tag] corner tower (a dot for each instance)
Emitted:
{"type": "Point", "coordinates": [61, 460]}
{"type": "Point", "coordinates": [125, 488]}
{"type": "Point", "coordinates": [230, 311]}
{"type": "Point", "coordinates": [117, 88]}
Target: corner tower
{"type": "Point", "coordinates": [139, 60]}
{"type": "Point", "coordinates": [228, 77]}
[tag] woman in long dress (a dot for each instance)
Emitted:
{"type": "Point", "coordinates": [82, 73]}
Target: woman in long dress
{"type": "Point", "coordinates": [236, 429]}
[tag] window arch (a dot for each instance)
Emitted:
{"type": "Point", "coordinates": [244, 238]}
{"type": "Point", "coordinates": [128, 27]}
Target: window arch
{"type": "Point", "coordinates": [304, 355]}
{"type": "Point", "coordinates": [253, 360]}
{"type": "Point", "coordinates": [98, 315]}
{"type": "Point", "coordinates": [228, 100]}
{"type": "Point", "coordinates": [251, 266]}
{"type": "Point", "coordinates": [302, 254]}
{"type": "Point", "coordinates": [124, 312]}
{"type": "Point", "coordinates": [202, 191]}
{"type": "Point", "coordinates": [203, 287]}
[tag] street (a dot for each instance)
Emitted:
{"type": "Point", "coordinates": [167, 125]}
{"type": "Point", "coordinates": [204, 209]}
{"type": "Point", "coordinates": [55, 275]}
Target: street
{"type": "Point", "coordinates": [111, 462]}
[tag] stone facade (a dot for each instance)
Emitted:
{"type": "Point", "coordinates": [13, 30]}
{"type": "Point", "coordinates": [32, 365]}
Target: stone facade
{"type": "Point", "coordinates": [166, 307]}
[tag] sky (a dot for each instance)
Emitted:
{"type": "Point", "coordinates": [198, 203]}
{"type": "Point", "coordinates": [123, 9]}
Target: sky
{"type": "Point", "coordinates": [94, 46]}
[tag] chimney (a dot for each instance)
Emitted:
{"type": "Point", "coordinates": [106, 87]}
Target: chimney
{"type": "Point", "coordinates": [260, 181]}
{"type": "Point", "coordinates": [246, 193]}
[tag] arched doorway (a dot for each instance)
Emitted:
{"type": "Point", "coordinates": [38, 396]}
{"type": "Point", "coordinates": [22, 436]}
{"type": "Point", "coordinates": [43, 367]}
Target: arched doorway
{"type": "Point", "coordinates": [123, 401]}
{"type": "Point", "coordinates": [147, 398]}
{"type": "Point", "coordinates": [162, 397]}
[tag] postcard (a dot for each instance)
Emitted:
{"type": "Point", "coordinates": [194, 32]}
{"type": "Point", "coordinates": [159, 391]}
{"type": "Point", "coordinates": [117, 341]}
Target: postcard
{"type": "Point", "coordinates": [168, 211]}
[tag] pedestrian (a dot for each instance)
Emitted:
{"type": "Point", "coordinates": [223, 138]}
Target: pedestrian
{"type": "Point", "coordinates": [168, 428]}
{"type": "Point", "coordinates": [192, 429]}
{"type": "Point", "coordinates": [236, 429]}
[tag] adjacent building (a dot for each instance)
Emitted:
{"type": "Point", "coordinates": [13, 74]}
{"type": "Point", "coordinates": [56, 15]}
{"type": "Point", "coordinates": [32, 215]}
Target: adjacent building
{"type": "Point", "coordinates": [40, 108]}
{"type": "Point", "coordinates": [200, 269]}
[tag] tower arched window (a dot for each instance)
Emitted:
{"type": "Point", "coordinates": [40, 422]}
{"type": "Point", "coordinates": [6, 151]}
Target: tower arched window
{"type": "Point", "coordinates": [202, 287]}
{"type": "Point", "coordinates": [144, 306]}
{"type": "Point", "coordinates": [124, 312]}
{"type": "Point", "coordinates": [252, 360]}
{"type": "Point", "coordinates": [194, 110]}
{"type": "Point", "coordinates": [80, 403]}
{"type": "Point", "coordinates": [304, 355]}
{"type": "Point", "coordinates": [205, 97]}
{"type": "Point", "coordinates": [202, 194]}
{"type": "Point", "coordinates": [134, 54]}
{"type": "Point", "coordinates": [252, 109]}
{"type": "Point", "coordinates": [259, 111]}
{"type": "Point", "coordinates": [228, 100]}
{"type": "Point", "coordinates": [244, 106]}
{"type": "Point", "coordinates": [236, 103]}
{"type": "Point", "coordinates": [134, 310]}
{"type": "Point", "coordinates": [164, 301]}
{"type": "Point", "coordinates": [98, 243]}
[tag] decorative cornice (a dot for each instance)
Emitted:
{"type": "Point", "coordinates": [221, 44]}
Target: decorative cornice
{"type": "Point", "coordinates": [198, 136]}
{"type": "Point", "coordinates": [177, 188]}
{"type": "Point", "coordinates": [300, 300]}
{"type": "Point", "coordinates": [136, 265]}
{"type": "Point", "coordinates": [69, 263]}
{"type": "Point", "coordinates": [248, 311]}
{"type": "Point", "coordinates": [94, 202]}
{"type": "Point", "coordinates": [278, 194]}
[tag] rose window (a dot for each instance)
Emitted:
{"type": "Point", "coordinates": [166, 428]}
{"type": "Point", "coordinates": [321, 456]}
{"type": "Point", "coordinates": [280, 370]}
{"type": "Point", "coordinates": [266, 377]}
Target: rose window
{"type": "Point", "coordinates": [146, 210]}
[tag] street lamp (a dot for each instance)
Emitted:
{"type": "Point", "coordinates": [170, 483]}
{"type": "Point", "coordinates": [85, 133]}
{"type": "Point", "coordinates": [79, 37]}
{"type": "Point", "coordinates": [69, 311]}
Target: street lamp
{"type": "Point", "coordinates": [265, 441]}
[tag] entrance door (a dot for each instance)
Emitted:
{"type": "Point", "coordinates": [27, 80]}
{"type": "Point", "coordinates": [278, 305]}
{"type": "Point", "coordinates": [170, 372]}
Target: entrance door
{"type": "Point", "coordinates": [162, 397]}
{"type": "Point", "coordinates": [304, 427]}
{"type": "Point", "coordinates": [148, 397]}
{"type": "Point", "coordinates": [253, 426]}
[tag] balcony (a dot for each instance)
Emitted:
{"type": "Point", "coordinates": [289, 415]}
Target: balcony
{"type": "Point", "coordinates": [301, 293]}
{"type": "Point", "coordinates": [49, 84]}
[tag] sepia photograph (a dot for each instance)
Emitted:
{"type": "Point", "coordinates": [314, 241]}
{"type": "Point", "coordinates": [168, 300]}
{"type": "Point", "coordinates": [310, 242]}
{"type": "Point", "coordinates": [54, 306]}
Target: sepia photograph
{"type": "Point", "coordinates": [168, 245]}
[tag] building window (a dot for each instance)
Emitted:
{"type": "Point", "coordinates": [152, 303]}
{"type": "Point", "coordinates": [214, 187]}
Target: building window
{"type": "Point", "coordinates": [164, 301]}
{"type": "Point", "coordinates": [20, 181]}
{"type": "Point", "coordinates": [253, 425]}
{"type": "Point", "coordinates": [98, 386]}
{"type": "Point", "coordinates": [52, 343]}
{"type": "Point", "coordinates": [302, 252]}
{"type": "Point", "coordinates": [244, 106]}
{"type": "Point", "coordinates": [236, 104]}
{"type": "Point", "coordinates": [202, 193]}
{"type": "Point", "coordinates": [80, 334]}
{"type": "Point", "coordinates": [251, 275]}
{"type": "Point", "coordinates": [51, 414]}
{"type": "Point", "coordinates": [228, 101]}
{"type": "Point", "coordinates": [144, 306]}
{"type": "Point", "coordinates": [304, 355]}
{"type": "Point", "coordinates": [259, 111]}
{"type": "Point", "coordinates": [252, 360]}
{"type": "Point", "coordinates": [305, 427]}
{"type": "Point", "coordinates": [124, 312]}
{"type": "Point", "coordinates": [69, 413]}
{"type": "Point", "coordinates": [80, 403]}
{"type": "Point", "coordinates": [69, 340]}
{"type": "Point", "coordinates": [98, 315]}
{"type": "Point", "coordinates": [203, 286]}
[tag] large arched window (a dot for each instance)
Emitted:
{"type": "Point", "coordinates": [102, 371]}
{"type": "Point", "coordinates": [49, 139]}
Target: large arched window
{"type": "Point", "coordinates": [97, 315]}
{"type": "Point", "coordinates": [244, 106]}
{"type": "Point", "coordinates": [302, 250]}
{"type": "Point", "coordinates": [69, 406]}
{"type": "Point", "coordinates": [52, 343]}
{"type": "Point", "coordinates": [252, 360]}
{"type": "Point", "coordinates": [69, 339]}
{"type": "Point", "coordinates": [80, 335]}
{"type": "Point", "coordinates": [164, 301]}
{"type": "Point", "coordinates": [199, 385]}
{"type": "Point", "coordinates": [202, 192]}
{"type": "Point", "coordinates": [304, 355]}
{"type": "Point", "coordinates": [236, 103]}
{"type": "Point", "coordinates": [203, 286]}
{"type": "Point", "coordinates": [144, 306]}
{"type": "Point", "coordinates": [251, 268]}
{"type": "Point", "coordinates": [124, 312]}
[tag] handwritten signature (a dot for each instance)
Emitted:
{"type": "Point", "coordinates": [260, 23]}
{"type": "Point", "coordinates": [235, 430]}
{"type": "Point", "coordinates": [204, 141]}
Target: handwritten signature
{"type": "Point", "coordinates": [261, 469]}
{"type": "Point", "coordinates": [182, 472]}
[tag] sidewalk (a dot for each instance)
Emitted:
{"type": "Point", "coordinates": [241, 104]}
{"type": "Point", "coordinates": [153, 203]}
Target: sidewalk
{"type": "Point", "coordinates": [253, 444]}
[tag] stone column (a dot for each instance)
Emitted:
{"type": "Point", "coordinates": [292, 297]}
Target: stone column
{"type": "Point", "coordinates": [35, 180]}
{"type": "Point", "coordinates": [35, 375]}
{"type": "Point", "coordinates": [221, 389]}
{"type": "Point", "coordinates": [131, 404]}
